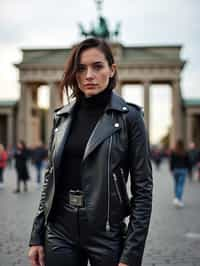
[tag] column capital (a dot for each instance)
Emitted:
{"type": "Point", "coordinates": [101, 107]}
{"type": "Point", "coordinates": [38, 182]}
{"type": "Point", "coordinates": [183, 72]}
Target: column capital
{"type": "Point", "coordinates": [175, 82]}
{"type": "Point", "coordinates": [33, 85]}
{"type": "Point", "coordinates": [146, 82]}
{"type": "Point", "coordinates": [52, 83]}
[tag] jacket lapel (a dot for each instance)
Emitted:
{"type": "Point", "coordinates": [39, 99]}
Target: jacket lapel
{"type": "Point", "coordinates": [104, 128]}
{"type": "Point", "coordinates": [61, 134]}
{"type": "Point", "coordinates": [62, 131]}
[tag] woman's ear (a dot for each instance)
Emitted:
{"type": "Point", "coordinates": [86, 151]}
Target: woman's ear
{"type": "Point", "coordinates": [113, 70]}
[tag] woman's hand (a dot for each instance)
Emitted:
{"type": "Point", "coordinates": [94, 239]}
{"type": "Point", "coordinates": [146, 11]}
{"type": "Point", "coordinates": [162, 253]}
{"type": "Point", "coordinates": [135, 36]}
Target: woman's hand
{"type": "Point", "coordinates": [122, 264]}
{"type": "Point", "coordinates": [36, 255]}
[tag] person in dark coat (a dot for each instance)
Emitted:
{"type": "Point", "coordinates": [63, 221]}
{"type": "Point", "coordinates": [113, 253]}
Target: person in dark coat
{"type": "Point", "coordinates": [193, 157]}
{"type": "Point", "coordinates": [39, 154]}
{"type": "Point", "coordinates": [21, 156]}
{"type": "Point", "coordinates": [198, 166]}
{"type": "Point", "coordinates": [98, 142]}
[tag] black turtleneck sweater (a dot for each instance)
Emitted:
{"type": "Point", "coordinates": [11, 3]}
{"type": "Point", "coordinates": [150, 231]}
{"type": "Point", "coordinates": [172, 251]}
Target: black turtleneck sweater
{"type": "Point", "coordinates": [86, 114]}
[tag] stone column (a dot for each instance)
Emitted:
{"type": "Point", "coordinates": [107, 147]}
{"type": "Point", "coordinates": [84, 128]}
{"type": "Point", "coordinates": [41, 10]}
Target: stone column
{"type": "Point", "coordinates": [10, 128]}
{"type": "Point", "coordinates": [189, 128]}
{"type": "Point", "coordinates": [177, 113]}
{"type": "Point", "coordinates": [146, 86]}
{"type": "Point", "coordinates": [25, 114]}
{"type": "Point", "coordinates": [55, 101]}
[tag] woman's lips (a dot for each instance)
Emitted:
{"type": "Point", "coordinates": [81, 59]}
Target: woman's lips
{"type": "Point", "coordinates": [90, 85]}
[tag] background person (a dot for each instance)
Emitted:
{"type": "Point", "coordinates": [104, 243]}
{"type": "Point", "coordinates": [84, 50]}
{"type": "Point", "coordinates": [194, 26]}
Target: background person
{"type": "Point", "coordinates": [179, 165]}
{"type": "Point", "coordinates": [3, 160]}
{"type": "Point", "coordinates": [21, 156]}
{"type": "Point", "coordinates": [193, 158]}
{"type": "Point", "coordinates": [96, 142]}
{"type": "Point", "coordinates": [39, 154]}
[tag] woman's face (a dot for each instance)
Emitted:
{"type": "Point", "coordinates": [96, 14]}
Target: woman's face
{"type": "Point", "coordinates": [93, 72]}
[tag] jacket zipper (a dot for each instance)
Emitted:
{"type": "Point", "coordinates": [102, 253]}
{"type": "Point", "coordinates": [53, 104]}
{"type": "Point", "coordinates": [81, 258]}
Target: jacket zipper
{"type": "Point", "coordinates": [109, 161]}
{"type": "Point", "coordinates": [108, 213]}
{"type": "Point", "coordinates": [117, 187]}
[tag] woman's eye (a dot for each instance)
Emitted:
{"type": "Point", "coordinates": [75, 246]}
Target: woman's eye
{"type": "Point", "coordinates": [97, 67]}
{"type": "Point", "coordinates": [81, 68]}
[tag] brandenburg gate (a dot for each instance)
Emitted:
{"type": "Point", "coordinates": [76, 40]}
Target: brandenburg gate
{"type": "Point", "coordinates": [145, 65]}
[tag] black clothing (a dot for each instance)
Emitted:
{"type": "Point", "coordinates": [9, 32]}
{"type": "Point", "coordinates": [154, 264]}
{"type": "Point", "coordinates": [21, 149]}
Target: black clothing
{"type": "Point", "coordinates": [193, 157]}
{"type": "Point", "coordinates": [86, 115]}
{"type": "Point", "coordinates": [1, 175]}
{"type": "Point", "coordinates": [39, 154]}
{"type": "Point", "coordinates": [69, 241]}
{"type": "Point", "coordinates": [179, 161]}
{"type": "Point", "coordinates": [118, 146]}
{"type": "Point", "coordinates": [21, 157]}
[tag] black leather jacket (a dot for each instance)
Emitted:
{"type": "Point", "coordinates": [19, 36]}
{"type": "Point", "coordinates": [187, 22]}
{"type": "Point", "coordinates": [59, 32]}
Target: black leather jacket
{"type": "Point", "coordinates": [117, 147]}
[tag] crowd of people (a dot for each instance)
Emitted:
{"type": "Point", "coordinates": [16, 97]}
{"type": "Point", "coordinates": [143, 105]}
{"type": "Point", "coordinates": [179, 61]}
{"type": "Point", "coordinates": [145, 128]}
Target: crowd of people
{"type": "Point", "coordinates": [20, 155]}
{"type": "Point", "coordinates": [188, 160]}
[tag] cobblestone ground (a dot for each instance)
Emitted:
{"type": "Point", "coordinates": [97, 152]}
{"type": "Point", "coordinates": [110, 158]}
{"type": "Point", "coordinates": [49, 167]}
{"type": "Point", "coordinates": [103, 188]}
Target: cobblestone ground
{"type": "Point", "coordinates": [174, 237]}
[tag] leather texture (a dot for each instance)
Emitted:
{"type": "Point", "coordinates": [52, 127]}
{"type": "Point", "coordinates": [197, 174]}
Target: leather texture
{"type": "Point", "coordinates": [117, 148]}
{"type": "Point", "coordinates": [69, 241]}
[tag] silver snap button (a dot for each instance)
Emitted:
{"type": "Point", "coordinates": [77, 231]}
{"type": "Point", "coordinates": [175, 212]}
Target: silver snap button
{"type": "Point", "coordinates": [116, 125]}
{"type": "Point", "coordinates": [124, 108]}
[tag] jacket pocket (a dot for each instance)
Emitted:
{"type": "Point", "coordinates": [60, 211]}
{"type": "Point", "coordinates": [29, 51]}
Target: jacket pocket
{"type": "Point", "coordinates": [117, 189]}
{"type": "Point", "coordinates": [124, 192]}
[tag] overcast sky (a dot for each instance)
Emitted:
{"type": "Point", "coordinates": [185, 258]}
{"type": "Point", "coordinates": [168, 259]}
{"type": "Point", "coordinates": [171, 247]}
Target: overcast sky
{"type": "Point", "coordinates": [33, 24]}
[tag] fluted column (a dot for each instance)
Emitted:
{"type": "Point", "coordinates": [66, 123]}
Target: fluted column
{"type": "Point", "coordinates": [55, 101]}
{"type": "Point", "coordinates": [25, 114]}
{"type": "Point", "coordinates": [10, 128]}
{"type": "Point", "coordinates": [177, 113]}
{"type": "Point", "coordinates": [146, 95]}
{"type": "Point", "coordinates": [189, 128]}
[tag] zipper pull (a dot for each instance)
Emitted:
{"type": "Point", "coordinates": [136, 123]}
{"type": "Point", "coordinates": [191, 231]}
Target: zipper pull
{"type": "Point", "coordinates": [107, 226]}
{"type": "Point", "coordinates": [122, 172]}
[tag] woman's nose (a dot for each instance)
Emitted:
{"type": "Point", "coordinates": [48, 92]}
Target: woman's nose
{"type": "Point", "coordinates": [89, 73]}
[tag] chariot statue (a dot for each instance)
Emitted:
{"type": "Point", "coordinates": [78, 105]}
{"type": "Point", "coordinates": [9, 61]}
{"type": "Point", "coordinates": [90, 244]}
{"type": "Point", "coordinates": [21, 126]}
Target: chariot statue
{"type": "Point", "coordinates": [101, 29]}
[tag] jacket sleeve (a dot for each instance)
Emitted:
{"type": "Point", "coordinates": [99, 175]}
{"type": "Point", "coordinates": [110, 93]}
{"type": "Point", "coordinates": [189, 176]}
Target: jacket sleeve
{"type": "Point", "coordinates": [141, 190]}
{"type": "Point", "coordinates": [38, 229]}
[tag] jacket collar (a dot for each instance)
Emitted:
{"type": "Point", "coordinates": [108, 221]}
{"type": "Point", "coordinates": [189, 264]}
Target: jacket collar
{"type": "Point", "coordinates": [66, 109]}
{"type": "Point", "coordinates": [116, 103]}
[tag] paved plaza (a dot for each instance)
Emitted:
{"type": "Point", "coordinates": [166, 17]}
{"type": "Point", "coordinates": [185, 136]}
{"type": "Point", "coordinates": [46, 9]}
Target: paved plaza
{"type": "Point", "coordinates": [174, 237]}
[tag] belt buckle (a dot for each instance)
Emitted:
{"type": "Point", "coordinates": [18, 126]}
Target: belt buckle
{"type": "Point", "coordinates": [76, 198]}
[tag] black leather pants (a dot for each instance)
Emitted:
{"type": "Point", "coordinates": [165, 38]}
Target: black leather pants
{"type": "Point", "coordinates": [70, 242]}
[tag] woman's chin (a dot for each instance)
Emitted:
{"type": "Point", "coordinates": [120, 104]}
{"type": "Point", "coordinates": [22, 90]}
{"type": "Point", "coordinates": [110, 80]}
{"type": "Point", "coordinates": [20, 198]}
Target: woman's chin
{"type": "Point", "coordinates": [91, 93]}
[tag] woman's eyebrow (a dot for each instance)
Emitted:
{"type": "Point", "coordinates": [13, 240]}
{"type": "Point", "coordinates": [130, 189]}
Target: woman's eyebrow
{"type": "Point", "coordinates": [93, 63]}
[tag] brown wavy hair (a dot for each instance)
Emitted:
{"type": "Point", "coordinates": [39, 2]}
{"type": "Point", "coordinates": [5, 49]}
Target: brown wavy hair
{"type": "Point", "coordinates": [69, 81]}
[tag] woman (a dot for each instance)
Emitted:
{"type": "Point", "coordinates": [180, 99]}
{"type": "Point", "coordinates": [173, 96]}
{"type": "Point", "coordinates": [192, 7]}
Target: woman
{"type": "Point", "coordinates": [179, 165]}
{"type": "Point", "coordinates": [21, 156]}
{"type": "Point", "coordinates": [3, 160]}
{"type": "Point", "coordinates": [96, 141]}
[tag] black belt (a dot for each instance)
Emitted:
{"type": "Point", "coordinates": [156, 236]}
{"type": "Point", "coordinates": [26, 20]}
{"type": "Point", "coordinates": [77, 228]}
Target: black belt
{"type": "Point", "coordinates": [73, 198]}
{"type": "Point", "coordinates": [76, 198]}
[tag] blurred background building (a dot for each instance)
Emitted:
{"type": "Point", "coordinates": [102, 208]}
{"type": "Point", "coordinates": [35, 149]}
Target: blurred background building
{"type": "Point", "coordinates": [143, 65]}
